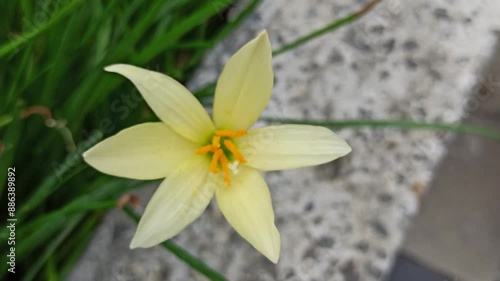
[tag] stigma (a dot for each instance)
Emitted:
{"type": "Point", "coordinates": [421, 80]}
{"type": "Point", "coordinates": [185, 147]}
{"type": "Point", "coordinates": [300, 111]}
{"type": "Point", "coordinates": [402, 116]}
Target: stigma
{"type": "Point", "coordinates": [222, 141]}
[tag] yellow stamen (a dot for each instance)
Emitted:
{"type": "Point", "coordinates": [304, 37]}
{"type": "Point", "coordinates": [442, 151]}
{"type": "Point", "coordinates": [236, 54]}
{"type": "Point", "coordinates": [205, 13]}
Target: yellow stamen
{"type": "Point", "coordinates": [225, 168]}
{"type": "Point", "coordinates": [218, 154]}
{"type": "Point", "coordinates": [232, 147]}
{"type": "Point", "coordinates": [216, 142]}
{"type": "Point", "coordinates": [205, 149]}
{"type": "Point", "coordinates": [215, 160]}
{"type": "Point", "coordinates": [229, 133]}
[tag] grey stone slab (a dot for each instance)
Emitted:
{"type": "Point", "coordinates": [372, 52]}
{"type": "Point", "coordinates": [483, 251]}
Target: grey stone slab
{"type": "Point", "coordinates": [344, 220]}
{"type": "Point", "coordinates": [407, 269]}
{"type": "Point", "coordinates": [458, 230]}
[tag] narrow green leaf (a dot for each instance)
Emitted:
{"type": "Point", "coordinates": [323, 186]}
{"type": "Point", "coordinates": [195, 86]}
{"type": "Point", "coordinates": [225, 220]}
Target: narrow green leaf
{"type": "Point", "coordinates": [10, 141]}
{"type": "Point", "coordinates": [82, 239]}
{"type": "Point", "coordinates": [55, 180]}
{"type": "Point", "coordinates": [51, 273]}
{"type": "Point", "coordinates": [19, 77]}
{"type": "Point", "coordinates": [60, 63]}
{"type": "Point", "coordinates": [335, 25]}
{"type": "Point", "coordinates": [162, 42]}
{"type": "Point", "coordinates": [19, 42]}
{"type": "Point", "coordinates": [403, 124]}
{"type": "Point", "coordinates": [238, 20]}
{"type": "Point", "coordinates": [330, 27]}
{"type": "Point", "coordinates": [182, 254]}
{"type": "Point", "coordinates": [32, 272]}
{"type": "Point", "coordinates": [5, 120]}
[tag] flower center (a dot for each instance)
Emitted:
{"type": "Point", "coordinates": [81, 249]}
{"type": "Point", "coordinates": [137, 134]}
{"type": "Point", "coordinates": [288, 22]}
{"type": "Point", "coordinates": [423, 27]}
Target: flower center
{"type": "Point", "coordinates": [219, 158]}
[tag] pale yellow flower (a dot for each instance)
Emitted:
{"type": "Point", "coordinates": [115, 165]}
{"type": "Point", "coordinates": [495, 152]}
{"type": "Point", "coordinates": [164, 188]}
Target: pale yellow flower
{"type": "Point", "coordinates": [199, 157]}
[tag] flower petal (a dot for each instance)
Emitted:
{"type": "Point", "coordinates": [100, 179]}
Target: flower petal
{"type": "Point", "coordinates": [145, 151]}
{"type": "Point", "coordinates": [247, 206]}
{"type": "Point", "coordinates": [245, 85]}
{"type": "Point", "coordinates": [180, 199]}
{"type": "Point", "coordinates": [290, 146]}
{"type": "Point", "coordinates": [170, 100]}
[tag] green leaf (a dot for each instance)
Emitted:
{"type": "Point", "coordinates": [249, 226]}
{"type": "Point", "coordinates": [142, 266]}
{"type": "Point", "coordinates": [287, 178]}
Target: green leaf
{"type": "Point", "coordinates": [52, 246]}
{"type": "Point", "coordinates": [402, 124]}
{"type": "Point", "coordinates": [14, 45]}
{"type": "Point", "coordinates": [182, 254]}
{"type": "Point", "coordinates": [328, 28]}
{"type": "Point", "coordinates": [5, 120]}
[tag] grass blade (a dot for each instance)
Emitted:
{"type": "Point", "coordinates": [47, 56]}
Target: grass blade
{"type": "Point", "coordinates": [403, 124]}
{"type": "Point", "coordinates": [326, 29]}
{"type": "Point", "coordinates": [182, 254]}
{"type": "Point", "coordinates": [23, 39]}
{"type": "Point", "coordinates": [72, 222]}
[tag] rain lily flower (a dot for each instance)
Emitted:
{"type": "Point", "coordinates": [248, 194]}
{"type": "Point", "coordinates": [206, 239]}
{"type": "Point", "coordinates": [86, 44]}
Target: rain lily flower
{"type": "Point", "coordinates": [199, 156]}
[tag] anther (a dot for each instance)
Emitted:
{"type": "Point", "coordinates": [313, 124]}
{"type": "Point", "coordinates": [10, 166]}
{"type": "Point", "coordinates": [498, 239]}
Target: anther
{"type": "Point", "coordinates": [225, 168]}
{"type": "Point", "coordinates": [229, 133]}
{"type": "Point", "coordinates": [215, 161]}
{"type": "Point", "coordinates": [232, 147]}
{"type": "Point", "coordinates": [204, 150]}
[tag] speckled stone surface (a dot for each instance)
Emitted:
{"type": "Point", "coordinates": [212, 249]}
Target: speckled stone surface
{"type": "Point", "coordinates": [344, 220]}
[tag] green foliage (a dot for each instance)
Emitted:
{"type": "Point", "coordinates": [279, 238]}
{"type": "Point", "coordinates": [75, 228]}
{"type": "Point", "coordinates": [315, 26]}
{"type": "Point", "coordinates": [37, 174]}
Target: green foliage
{"type": "Point", "coordinates": [56, 101]}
